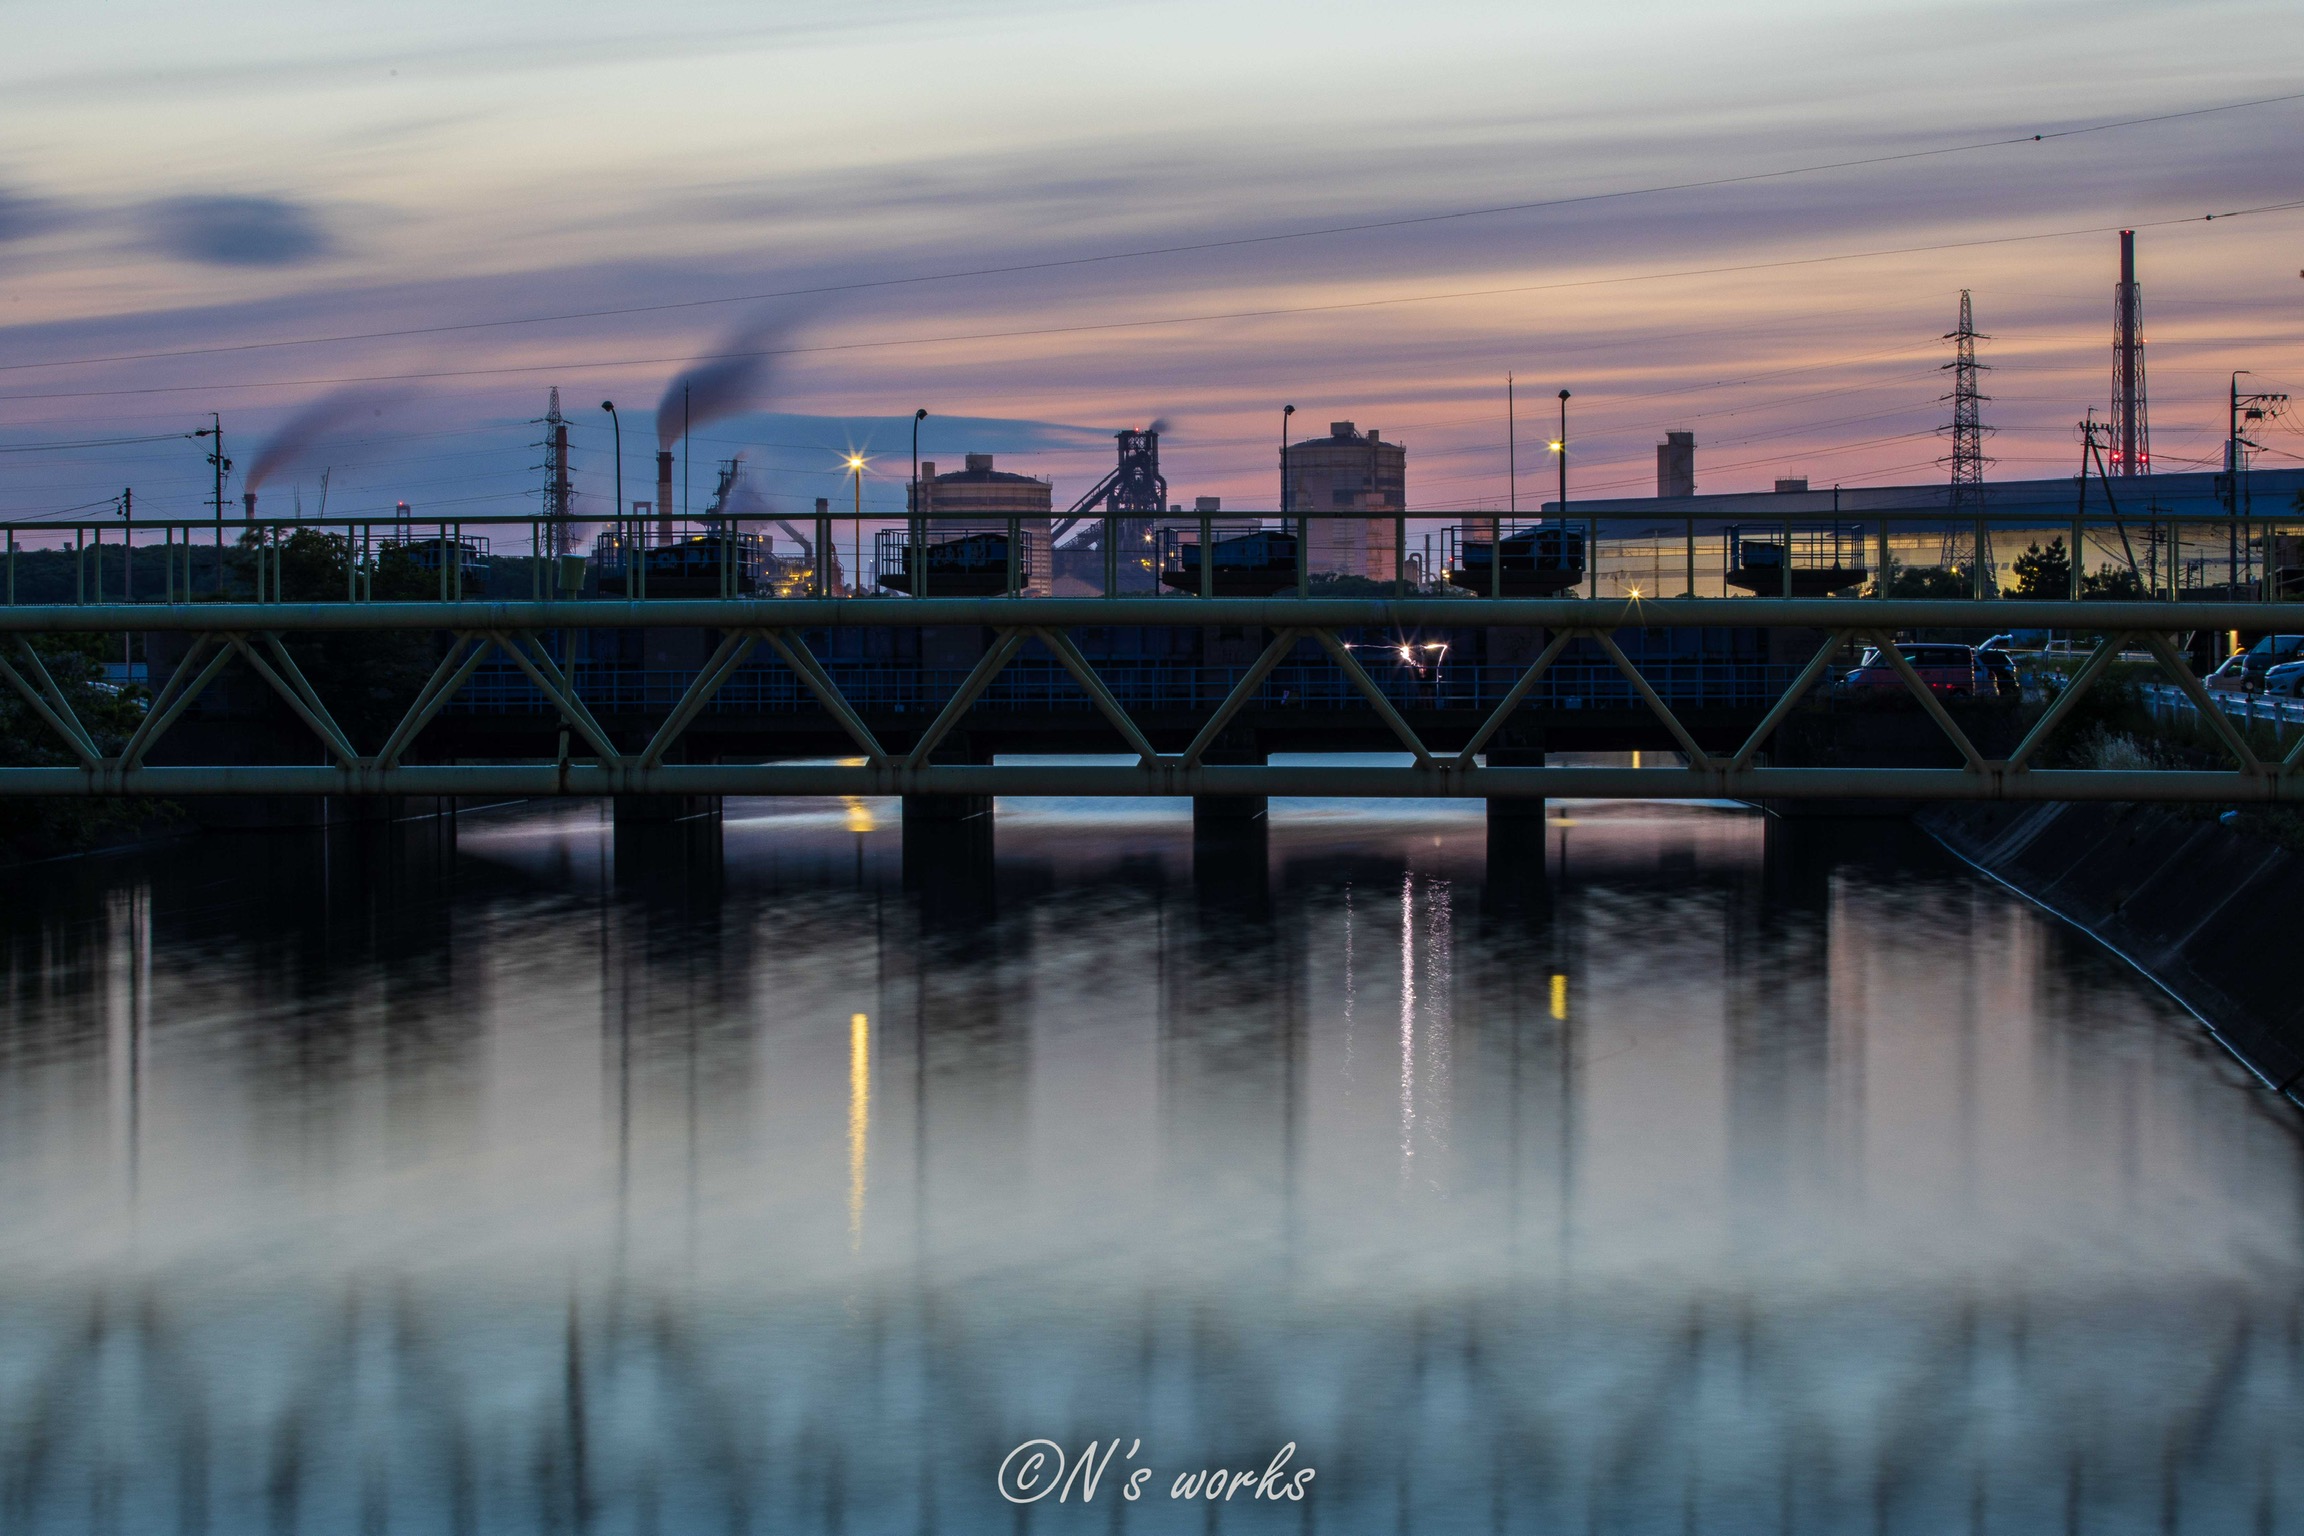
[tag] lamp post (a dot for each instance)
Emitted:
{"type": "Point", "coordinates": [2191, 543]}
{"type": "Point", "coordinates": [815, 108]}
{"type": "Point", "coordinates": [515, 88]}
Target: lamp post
{"type": "Point", "coordinates": [1559, 447]}
{"type": "Point", "coordinates": [1287, 492]}
{"type": "Point", "coordinates": [856, 470]}
{"type": "Point", "coordinates": [622, 539]}
{"type": "Point", "coordinates": [916, 531]}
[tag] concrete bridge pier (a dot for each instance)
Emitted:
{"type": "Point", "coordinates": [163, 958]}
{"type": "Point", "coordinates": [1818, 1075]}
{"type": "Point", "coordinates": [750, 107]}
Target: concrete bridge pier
{"type": "Point", "coordinates": [1515, 826]}
{"type": "Point", "coordinates": [663, 810]}
{"type": "Point", "coordinates": [949, 851]}
{"type": "Point", "coordinates": [949, 860]}
{"type": "Point", "coordinates": [1231, 846]}
{"type": "Point", "coordinates": [951, 810]}
{"type": "Point", "coordinates": [1225, 815]}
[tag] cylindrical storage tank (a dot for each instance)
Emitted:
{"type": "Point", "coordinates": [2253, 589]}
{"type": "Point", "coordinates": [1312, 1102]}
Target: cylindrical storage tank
{"type": "Point", "coordinates": [1349, 472]}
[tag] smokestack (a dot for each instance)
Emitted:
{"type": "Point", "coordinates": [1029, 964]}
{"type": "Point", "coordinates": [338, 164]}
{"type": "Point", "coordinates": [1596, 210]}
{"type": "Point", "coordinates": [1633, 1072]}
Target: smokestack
{"type": "Point", "coordinates": [248, 501]}
{"type": "Point", "coordinates": [1676, 464]}
{"type": "Point", "coordinates": [2131, 447]}
{"type": "Point", "coordinates": [664, 496]}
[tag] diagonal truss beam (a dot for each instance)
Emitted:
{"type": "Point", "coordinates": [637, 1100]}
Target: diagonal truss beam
{"type": "Point", "coordinates": [1352, 669]}
{"type": "Point", "coordinates": [49, 703]}
{"type": "Point", "coordinates": [1919, 689]}
{"type": "Point", "coordinates": [1106, 705]}
{"type": "Point", "coordinates": [2098, 663]}
{"type": "Point", "coordinates": [734, 647]}
{"type": "Point", "coordinates": [465, 653]}
{"type": "Point", "coordinates": [988, 666]}
{"type": "Point", "coordinates": [812, 675]}
{"type": "Point", "coordinates": [1697, 756]}
{"type": "Point", "coordinates": [1790, 700]}
{"type": "Point", "coordinates": [1518, 696]}
{"type": "Point", "coordinates": [185, 684]}
{"type": "Point", "coordinates": [1283, 641]}
{"type": "Point", "coordinates": [290, 684]}
{"type": "Point", "coordinates": [547, 677]}
{"type": "Point", "coordinates": [2164, 651]}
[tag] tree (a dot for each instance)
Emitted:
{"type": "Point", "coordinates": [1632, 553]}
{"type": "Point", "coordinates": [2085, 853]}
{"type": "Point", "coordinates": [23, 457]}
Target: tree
{"type": "Point", "coordinates": [2044, 572]}
{"type": "Point", "coordinates": [1930, 582]}
{"type": "Point", "coordinates": [366, 678]}
{"type": "Point", "coordinates": [2111, 584]}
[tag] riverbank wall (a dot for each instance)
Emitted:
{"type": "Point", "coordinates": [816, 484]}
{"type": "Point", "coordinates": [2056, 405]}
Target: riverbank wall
{"type": "Point", "coordinates": [2208, 911]}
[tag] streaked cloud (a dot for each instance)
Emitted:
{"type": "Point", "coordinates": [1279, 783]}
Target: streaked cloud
{"type": "Point", "coordinates": [236, 231]}
{"type": "Point", "coordinates": [441, 173]}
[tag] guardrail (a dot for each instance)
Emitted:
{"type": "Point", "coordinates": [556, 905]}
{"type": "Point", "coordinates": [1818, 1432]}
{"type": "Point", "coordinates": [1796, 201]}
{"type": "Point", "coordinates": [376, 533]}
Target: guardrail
{"type": "Point", "coordinates": [256, 635]}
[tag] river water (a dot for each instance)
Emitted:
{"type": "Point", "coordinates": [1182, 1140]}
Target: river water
{"type": "Point", "coordinates": [1699, 1172]}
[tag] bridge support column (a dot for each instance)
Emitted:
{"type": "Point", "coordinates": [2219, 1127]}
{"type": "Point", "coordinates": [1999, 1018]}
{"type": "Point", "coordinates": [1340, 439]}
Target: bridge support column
{"type": "Point", "coordinates": [659, 810]}
{"type": "Point", "coordinates": [1231, 847]}
{"type": "Point", "coordinates": [946, 810]}
{"type": "Point", "coordinates": [949, 859]}
{"type": "Point", "coordinates": [1515, 826]}
{"type": "Point", "coordinates": [948, 851]}
{"type": "Point", "coordinates": [1227, 814]}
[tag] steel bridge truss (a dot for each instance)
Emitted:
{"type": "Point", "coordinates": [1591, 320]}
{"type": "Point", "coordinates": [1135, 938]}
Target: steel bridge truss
{"type": "Point", "coordinates": [589, 761]}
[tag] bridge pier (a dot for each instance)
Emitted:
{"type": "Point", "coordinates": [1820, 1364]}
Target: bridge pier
{"type": "Point", "coordinates": [948, 853]}
{"type": "Point", "coordinates": [661, 810]}
{"type": "Point", "coordinates": [1232, 846]}
{"type": "Point", "coordinates": [1226, 815]}
{"type": "Point", "coordinates": [1515, 825]}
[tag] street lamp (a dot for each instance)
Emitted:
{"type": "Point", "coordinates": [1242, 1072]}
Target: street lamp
{"type": "Point", "coordinates": [856, 469]}
{"type": "Point", "coordinates": [1287, 493]}
{"type": "Point", "coordinates": [621, 536]}
{"type": "Point", "coordinates": [916, 526]}
{"type": "Point", "coordinates": [1559, 447]}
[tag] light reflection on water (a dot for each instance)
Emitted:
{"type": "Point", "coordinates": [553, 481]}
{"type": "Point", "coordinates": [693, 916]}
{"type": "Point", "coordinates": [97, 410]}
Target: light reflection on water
{"type": "Point", "coordinates": [1718, 1174]}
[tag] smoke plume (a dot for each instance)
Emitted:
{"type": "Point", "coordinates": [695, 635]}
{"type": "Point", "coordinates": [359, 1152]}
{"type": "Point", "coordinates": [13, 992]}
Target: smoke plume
{"type": "Point", "coordinates": [325, 416]}
{"type": "Point", "coordinates": [734, 380]}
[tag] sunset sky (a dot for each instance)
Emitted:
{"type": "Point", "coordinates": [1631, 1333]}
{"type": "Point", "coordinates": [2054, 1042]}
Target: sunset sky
{"type": "Point", "coordinates": [471, 194]}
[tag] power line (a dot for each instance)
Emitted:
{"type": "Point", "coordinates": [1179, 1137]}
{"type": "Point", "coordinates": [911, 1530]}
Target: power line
{"type": "Point", "coordinates": [94, 442]}
{"type": "Point", "coordinates": [1124, 325]}
{"type": "Point", "coordinates": [1148, 252]}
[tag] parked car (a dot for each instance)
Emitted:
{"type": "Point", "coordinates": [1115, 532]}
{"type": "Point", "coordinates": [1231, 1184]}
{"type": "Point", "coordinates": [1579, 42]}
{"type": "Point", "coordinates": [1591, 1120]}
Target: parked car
{"type": "Point", "coordinates": [2231, 676]}
{"type": "Point", "coordinates": [2285, 680]}
{"type": "Point", "coordinates": [2002, 666]}
{"type": "Point", "coordinates": [2246, 671]}
{"type": "Point", "coordinates": [1952, 671]}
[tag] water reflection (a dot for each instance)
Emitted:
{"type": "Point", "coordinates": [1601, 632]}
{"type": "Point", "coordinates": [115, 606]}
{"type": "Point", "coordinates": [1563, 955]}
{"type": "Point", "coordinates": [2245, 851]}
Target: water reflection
{"type": "Point", "coordinates": [1699, 1172]}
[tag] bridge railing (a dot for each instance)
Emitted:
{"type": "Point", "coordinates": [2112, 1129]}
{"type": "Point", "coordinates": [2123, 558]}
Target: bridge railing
{"type": "Point", "coordinates": [1569, 639]}
{"type": "Point", "coordinates": [2140, 552]}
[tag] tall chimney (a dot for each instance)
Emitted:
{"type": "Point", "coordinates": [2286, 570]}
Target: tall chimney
{"type": "Point", "coordinates": [664, 496]}
{"type": "Point", "coordinates": [2131, 447]}
{"type": "Point", "coordinates": [249, 502]}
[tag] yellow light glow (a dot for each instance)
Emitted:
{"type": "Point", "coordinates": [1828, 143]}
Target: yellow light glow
{"type": "Point", "coordinates": [1559, 995]}
{"type": "Point", "coordinates": [1635, 591]}
{"type": "Point", "coordinates": [859, 1121]}
{"type": "Point", "coordinates": [855, 461]}
{"type": "Point", "coordinates": [1555, 445]}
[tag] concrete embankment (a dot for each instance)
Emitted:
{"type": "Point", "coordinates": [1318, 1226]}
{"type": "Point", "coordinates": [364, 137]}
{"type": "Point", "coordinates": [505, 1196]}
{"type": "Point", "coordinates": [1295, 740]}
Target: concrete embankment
{"type": "Point", "coordinates": [2209, 912]}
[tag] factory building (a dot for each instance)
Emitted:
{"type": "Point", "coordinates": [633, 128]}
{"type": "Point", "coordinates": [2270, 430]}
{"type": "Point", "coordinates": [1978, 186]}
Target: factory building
{"type": "Point", "coordinates": [1347, 471]}
{"type": "Point", "coordinates": [988, 498]}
